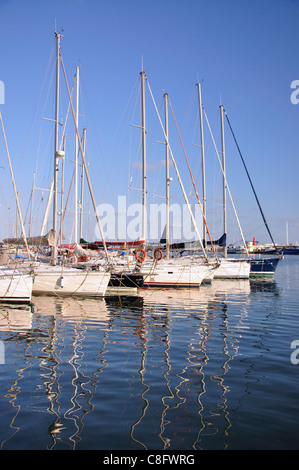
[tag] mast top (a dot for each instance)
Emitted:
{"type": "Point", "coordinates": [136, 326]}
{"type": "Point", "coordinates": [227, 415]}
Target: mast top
{"type": "Point", "coordinates": [58, 35]}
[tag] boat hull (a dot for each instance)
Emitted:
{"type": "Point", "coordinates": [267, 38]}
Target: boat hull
{"type": "Point", "coordinates": [15, 287]}
{"type": "Point", "coordinates": [290, 251]}
{"type": "Point", "coordinates": [124, 279]}
{"type": "Point", "coordinates": [264, 267]}
{"type": "Point", "coordinates": [233, 269]}
{"type": "Point", "coordinates": [70, 282]}
{"type": "Point", "coordinates": [175, 276]}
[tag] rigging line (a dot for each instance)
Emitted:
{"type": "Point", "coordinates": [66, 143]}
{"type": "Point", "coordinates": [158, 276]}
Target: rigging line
{"type": "Point", "coordinates": [67, 114]}
{"type": "Point", "coordinates": [85, 166]}
{"type": "Point", "coordinates": [99, 150]}
{"type": "Point", "coordinates": [14, 188]}
{"type": "Point", "coordinates": [251, 184]}
{"type": "Point", "coordinates": [227, 187]}
{"type": "Point", "coordinates": [193, 182]}
{"type": "Point", "coordinates": [131, 114]}
{"type": "Point", "coordinates": [65, 208]}
{"type": "Point", "coordinates": [43, 112]}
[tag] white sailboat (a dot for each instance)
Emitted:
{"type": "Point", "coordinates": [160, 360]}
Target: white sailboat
{"type": "Point", "coordinates": [184, 272]}
{"type": "Point", "coordinates": [229, 268]}
{"type": "Point", "coordinates": [53, 279]}
{"type": "Point", "coordinates": [15, 286]}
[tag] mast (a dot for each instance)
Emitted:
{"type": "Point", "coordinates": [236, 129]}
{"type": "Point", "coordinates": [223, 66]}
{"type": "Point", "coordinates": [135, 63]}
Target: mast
{"type": "Point", "coordinates": [167, 173]}
{"type": "Point", "coordinates": [31, 203]}
{"type": "Point", "coordinates": [54, 252]}
{"type": "Point", "coordinates": [76, 160]}
{"type": "Point", "coordinates": [17, 216]}
{"type": "Point", "coordinates": [203, 164]}
{"type": "Point", "coordinates": [224, 179]}
{"type": "Point", "coordinates": [143, 157]}
{"type": "Point", "coordinates": [82, 183]}
{"type": "Point", "coordinates": [62, 191]}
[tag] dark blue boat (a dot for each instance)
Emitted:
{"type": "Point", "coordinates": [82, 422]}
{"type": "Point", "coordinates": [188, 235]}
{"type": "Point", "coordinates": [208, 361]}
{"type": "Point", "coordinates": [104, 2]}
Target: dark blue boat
{"type": "Point", "coordinates": [290, 250]}
{"type": "Point", "coordinates": [264, 266]}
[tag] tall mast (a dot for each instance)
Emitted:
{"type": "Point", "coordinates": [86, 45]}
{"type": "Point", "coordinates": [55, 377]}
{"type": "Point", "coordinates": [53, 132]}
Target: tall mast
{"type": "Point", "coordinates": [54, 253]}
{"type": "Point", "coordinates": [143, 157]}
{"type": "Point", "coordinates": [202, 165]}
{"type": "Point", "coordinates": [31, 203]}
{"type": "Point", "coordinates": [76, 161]}
{"type": "Point", "coordinates": [167, 173]}
{"type": "Point", "coordinates": [62, 191]}
{"type": "Point", "coordinates": [224, 179]}
{"type": "Point", "coordinates": [82, 183]}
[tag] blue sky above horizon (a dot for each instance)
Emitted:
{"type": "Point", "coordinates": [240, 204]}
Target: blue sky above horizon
{"type": "Point", "coordinates": [244, 53]}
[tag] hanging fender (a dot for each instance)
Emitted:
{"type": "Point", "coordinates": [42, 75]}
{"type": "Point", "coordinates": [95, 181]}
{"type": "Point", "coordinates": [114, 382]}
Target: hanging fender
{"type": "Point", "coordinates": [140, 255]}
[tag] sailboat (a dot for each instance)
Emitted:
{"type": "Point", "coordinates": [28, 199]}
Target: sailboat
{"type": "Point", "coordinates": [229, 268]}
{"type": "Point", "coordinates": [226, 268]}
{"type": "Point", "coordinates": [184, 272]}
{"type": "Point", "coordinates": [52, 279]}
{"type": "Point", "coordinates": [15, 286]}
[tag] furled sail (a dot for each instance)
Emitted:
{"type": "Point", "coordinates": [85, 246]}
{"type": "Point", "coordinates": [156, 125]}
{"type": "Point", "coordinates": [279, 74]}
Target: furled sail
{"type": "Point", "coordinates": [194, 245]}
{"type": "Point", "coordinates": [46, 240]}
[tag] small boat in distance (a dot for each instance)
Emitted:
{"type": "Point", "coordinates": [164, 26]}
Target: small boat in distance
{"type": "Point", "coordinates": [290, 249]}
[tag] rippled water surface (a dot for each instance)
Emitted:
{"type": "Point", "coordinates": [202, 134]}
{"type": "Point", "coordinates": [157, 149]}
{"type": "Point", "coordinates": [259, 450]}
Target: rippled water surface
{"type": "Point", "coordinates": [172, 370]}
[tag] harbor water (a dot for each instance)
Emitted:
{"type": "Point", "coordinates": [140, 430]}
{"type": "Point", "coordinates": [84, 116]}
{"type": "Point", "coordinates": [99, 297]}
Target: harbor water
{"type": "Point", "coordinates": [211, 368]}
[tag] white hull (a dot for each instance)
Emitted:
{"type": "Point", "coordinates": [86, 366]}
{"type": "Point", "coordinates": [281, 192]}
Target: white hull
{"type": "Point", "coordinates": [15, 286]}
{"type": "Point", "coordinates": [175, 274]}
{"type": "Point", "coordinates": [57, 280]}
{"type": "Point", "coordinates": [233, 269]}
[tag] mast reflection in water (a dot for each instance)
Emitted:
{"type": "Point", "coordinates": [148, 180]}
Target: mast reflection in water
{"type": "Point", "coordinates": [161, 370]}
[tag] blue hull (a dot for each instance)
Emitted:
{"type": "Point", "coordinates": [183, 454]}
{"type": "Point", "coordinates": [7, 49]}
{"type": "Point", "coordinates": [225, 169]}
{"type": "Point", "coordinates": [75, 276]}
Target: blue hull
{"type": "Point", "coordinates": [264, 266]}
{"type": "Point", "coordinates": [291, 251]}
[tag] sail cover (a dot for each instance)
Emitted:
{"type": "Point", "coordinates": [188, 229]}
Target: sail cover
{"type": "Point", "coordinates": [195, 245]}
{"type": "Point", "coordinates": [46, 240]}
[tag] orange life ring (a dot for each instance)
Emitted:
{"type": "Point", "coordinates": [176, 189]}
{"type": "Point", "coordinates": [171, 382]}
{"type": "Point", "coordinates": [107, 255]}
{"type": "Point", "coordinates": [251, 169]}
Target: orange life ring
{"type": "Point", "coordinates": [142, 258]}
{"type": "Point", "coordinates": [158, 255]}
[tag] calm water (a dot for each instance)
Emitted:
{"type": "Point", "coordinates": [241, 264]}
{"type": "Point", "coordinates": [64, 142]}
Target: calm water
{"type": "Point", "coordinates": [167, 370]}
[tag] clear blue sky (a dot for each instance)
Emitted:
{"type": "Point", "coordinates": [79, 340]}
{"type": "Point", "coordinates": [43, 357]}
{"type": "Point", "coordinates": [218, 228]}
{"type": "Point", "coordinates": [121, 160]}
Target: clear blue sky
{"type": "Point", "coordinates": [245, 53]}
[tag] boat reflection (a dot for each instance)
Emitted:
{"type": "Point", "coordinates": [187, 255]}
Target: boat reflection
{"type": "Point", "coordinates": [145, 372]}
{"type": "Point", "coordinates": [190, 375]}
{"type": "Point", "coordinates": [15, 318]}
